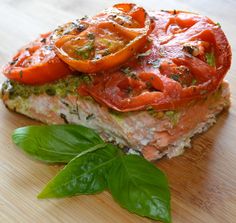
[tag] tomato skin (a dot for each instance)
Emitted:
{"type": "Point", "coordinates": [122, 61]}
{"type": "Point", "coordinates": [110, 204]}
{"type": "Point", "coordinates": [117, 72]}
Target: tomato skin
{"type": "Point", "coordinates": [36, 64]}
{"type": "Point", "coordinates": [184, 57]}
{"type": "Point", "coordinates": [173, 70]}
{"type": "Point", "coordinates": [134, 38]}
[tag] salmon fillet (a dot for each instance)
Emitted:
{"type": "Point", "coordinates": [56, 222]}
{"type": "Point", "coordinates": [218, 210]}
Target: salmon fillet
{"type": "Point", "coordinates": [154, 134]}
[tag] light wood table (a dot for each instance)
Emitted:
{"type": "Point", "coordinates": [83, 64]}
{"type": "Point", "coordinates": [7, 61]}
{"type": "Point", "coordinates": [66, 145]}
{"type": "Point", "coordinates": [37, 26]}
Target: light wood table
{"type": "Point", "coordinates": [202, 181]}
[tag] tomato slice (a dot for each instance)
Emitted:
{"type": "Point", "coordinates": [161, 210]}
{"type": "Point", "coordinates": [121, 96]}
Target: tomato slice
{"type": "Point", "coordinates": [109, 40]}
{"type": "Point", "coordinates": [36, 63]}
{"type": "Point", "coordinates": [187, 59]}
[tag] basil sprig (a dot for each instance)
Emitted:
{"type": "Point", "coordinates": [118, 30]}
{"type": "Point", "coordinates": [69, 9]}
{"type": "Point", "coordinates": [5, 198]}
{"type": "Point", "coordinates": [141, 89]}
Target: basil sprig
{"type": "Point", "coordinates": [94, 166]}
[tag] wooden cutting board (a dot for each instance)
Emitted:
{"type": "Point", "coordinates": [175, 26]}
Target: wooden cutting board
{"type": "Point", "coordinates": [202, 181]}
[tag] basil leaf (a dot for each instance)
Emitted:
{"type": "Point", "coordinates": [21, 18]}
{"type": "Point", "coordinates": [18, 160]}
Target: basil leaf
{"type": "Point", "coordinates": [85, 174]}
{"type": "Point", "coordinates": [55, 143]}
{"type": "Point", "coordinates": [140, 187]}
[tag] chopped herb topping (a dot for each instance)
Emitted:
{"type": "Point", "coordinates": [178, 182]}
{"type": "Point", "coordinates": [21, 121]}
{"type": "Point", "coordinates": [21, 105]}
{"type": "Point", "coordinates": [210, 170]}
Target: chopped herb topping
{"type": "Point", "coordinates": [43, 40]}
{"type": "Point", "coordinates": [155, 63]}
{"type": "Point", "coordinates": [193, 50]}
{"type": "Point", "coordinates": [218, 24]}
{"type": "Point", "coordinates": [129, 72]}
{"type": "Point", "coordinates": [194, 81]}
{"type": "Point", "coordinates": [21, 73]}
{"type": "Point", "coordinates": [155, 113]}
{"type": "Point", "coordinates": [14, 61]}
{"type": "Point", "coordinates": [106, 52]}
{"type": "Point", "coordinates": [169, 113]}
{"type": "Point", "coordinates": [118, 116]}
{"type": "Point", "coordinates": [175, 77]}
{"type": "Point", "coordinates": [148, 84]}
{"type": "Point", "coordinates": [90, 116]}
{"type": "Point", "coordinates": [85, 51]}
{"type": "Point", "coordinates": [147, 53]}
{"type": "Point", "coordinates": [91, 36]}
{"type": "Point", "coordinates": [173, 117]}
{"type": "Point", "coordinates": [129, 90]}
{"type": "Point", "coordinates": [183, 70]}
{"type": "Point", "coordinates": [50, 91]}
{"type": "Point", "coordinates": [106, 42]}
{"type": "Point", "coordinates": [151, 110]}
{"type": "Point", "coordinates": [84, 17]}
{"type": "Point", "coordinates": [87, 79]}
{"type": "Point", "coordinates": [210, 59]}
{"type": "Point", "coordinates": [81, 27]}
{"type": "Point", "coordinates": [63, 116]}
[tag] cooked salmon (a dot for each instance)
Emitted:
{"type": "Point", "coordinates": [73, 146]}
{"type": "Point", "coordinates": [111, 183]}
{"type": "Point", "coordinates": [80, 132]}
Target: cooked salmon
{"type": "Point", "coordinates": [152, 133]}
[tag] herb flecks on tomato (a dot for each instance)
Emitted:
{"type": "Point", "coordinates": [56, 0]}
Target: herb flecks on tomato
{"type": "Point", "coordinates": [110, 39]}
{"type": "Point", "coordinates": [133, 60]}
{"type": "Point", "coordinates": [36, 63]}
{"type": "Point", "coordinates": [186, 58]}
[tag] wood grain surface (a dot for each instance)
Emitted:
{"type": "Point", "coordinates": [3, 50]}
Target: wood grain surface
{"type": "Point", "coordinates": [202, 181]}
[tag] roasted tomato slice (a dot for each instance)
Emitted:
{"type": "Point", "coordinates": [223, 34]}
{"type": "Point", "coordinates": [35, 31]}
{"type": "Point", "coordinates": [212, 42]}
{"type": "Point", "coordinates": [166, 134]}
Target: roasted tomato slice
{"type": "Point", "coordinates": [36, 63]}
{"type": "Point", "coordinates": [109, 39]}
{"type": "Point", "coordinates": [186, 59]}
